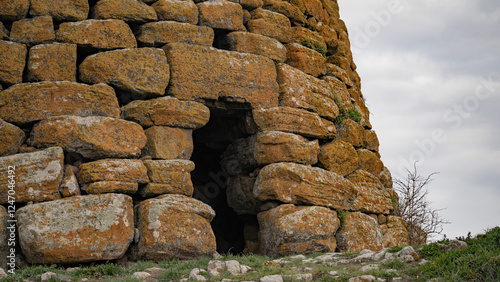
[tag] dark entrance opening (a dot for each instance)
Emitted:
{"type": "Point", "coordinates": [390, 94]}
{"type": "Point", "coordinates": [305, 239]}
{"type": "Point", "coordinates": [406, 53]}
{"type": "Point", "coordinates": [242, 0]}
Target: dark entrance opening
{"type": "Point", "coordinates": [226, 124]}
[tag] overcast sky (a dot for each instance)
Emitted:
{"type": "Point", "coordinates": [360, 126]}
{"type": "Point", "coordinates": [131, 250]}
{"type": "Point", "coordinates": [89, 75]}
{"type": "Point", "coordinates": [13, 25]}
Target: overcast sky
{"type": "Point", "coordinates": [430, 73]}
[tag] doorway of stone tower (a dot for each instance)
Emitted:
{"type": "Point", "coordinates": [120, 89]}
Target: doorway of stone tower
{"type": "Point", "coordinates": [226, 124]}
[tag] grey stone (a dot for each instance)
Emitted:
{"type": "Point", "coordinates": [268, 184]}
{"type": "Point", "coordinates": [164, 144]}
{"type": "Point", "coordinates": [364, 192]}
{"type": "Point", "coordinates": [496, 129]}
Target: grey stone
{"type": "Point", "coordinates": [271, 278]}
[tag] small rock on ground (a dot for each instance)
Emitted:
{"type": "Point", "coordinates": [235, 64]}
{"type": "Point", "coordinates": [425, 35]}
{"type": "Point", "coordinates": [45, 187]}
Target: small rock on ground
{"type": "Point", "coordinates": [271, 278]}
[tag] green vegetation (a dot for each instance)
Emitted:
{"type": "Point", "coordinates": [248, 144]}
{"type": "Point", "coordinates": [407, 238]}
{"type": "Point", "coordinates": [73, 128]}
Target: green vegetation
{"type": "Point", "coordinates": [344, 113]}
{"type": "Point", "coordinates": [316, 47]}
{"type": "Point", "coordinates": [342, 215]}
{"type": "Point", "coordinates": [354, 115]}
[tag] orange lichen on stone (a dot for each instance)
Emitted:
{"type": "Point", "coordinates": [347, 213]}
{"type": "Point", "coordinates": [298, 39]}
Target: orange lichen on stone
{"type": "Point", "coordinates": [177, 10]}
{"type": "Point", "coordinates": [396, 232]}
{"type": "Point", "coordinates": [12, 62]}
{"type": "Point", "coordinates": [33, 31]}
{"type": "Point", "coordinates": [11, 138]}
{"type": "Point", "coordinates": [158, 34]}
{"type": "Point", "coordinates": [61, 10]}
{"type": "Point", "coordinates": [53, 62]}
{"type": "Point", "coordinates": [221, 14]}
{"type": "Point", "coordinates": [103, 187]}
{"type": "Point", "coordinates": [350, 132]}
{"type": "Point", "coordinates": [370, 161]}
{"type": "Point", "coordinates": [359, 232]}
{"type": "Point", "coordinates": [339, 156]}
{"type": "Point", "coordinates": [128, 10]}
{"type": "Point", "coordinates": [270, 24]}
{"type": "Point", "coordinates": [168, 143]}
{"type": "Point", "coordinates": [371, 193]}
{"type": "Point", "coordinates": [114, 170]}
{"type": "Point", "coordinates": [305, 59]}
{"type": "Point", "coordinates": [257, 44]}
{"type": "Point", "coordinates": [13, 10]}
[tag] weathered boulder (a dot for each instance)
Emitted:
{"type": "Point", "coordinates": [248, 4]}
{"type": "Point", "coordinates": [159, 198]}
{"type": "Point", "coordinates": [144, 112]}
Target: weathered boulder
{"type": "Point", "coordinates": [339, 157]}
{"type": "Point", "coordinates": [122, 170]}
{"type": "Point", "coordinates": [30, 102]}
{"type": "Point", "coordinates": [209, 73]}
{"type": "Point", "coordinates": [359, 232]}
{"type": "Point", "coordinates": [33, 31]}
{"type": "Point", "coordinates": [12, 62]}
{"type": "Point", "coordinates": [350, 132]}
{"type": "Point", "coordinates": [370, 161]}
{"type": "Point", "coordinates": [65, 10]}
{"type": "Point", "coordinates": [288, 9]}
{"type": "Point", "coordinates": [386, 178]}
{"type": "Point", "coordinates": [160, 33]}
{"type": "Point", "coordinates": [247, 42]}
{"type": "Point", "coordinates": [168, 143]}
{"type": "Point", "coordinates": [270, 24]}
{"type": "Point", "coordinates": [293, 120]}
{"type": "Point", "coordinates": [56, 231]}
{"type": "Point", "coordinates": [132, 11]}
{"type": "Point", "coordinates": [299, 184]}
{"type": "Point", "coordinates": [168, 177]}
{"type": "Point", "coordinates": [288, 229]}
{"type": "Point", "coordinates": [339, 91]}
{"type": "Point", "coordinates": [300, 90]}
{"type": "Point", "coordinates": [371, 197]}
{"type": "Point", "coordinates": [69, 184]}
{"type": "Point", "coordinates": [11, 138]}
{"type": "Point", "coordinates": [52, 62]}
{"type": "Point", "coordinates": [14, 10]}
{"type": "Point", "coordinates": [168, 111]}
{"type": "Point", "coordinates": [221, 14]}
{"type": "Point", "coordinates": [143, 71]}
{"type": "Point", "coordinates": [302, 35]}
{"type": "Point", "coordinates": [177, 10]}
{"type": "Point", "coordinates": [37, 176]}
{"type": "Point", "coordinates": [92, 137]}
{"type": "Point", "coordinates": [100, 34]}
{"type": "Point", "coordinates": [175, 226]}
{"type": "Point", "coordinates": [305, 59]}
{"type": "Point", "coordinates": [395, 232]}
{"type": "Point", "coordinates": [103, 187]}
{"type": "Point", "coordinates": [240, 197]}
{"type": "Point", "coordinates": [370, 140]}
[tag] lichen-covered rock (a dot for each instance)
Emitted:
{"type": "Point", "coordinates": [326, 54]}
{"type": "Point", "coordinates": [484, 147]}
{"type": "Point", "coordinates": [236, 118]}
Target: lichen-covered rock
{"type": "Point", "coordinates": [53, 62]}
{"type": "Point", "coordinates": [288, 229]}
{"type": "Point", "coordinates": [168, 177]}
{"type": "Point", "coordinates": [371, 197]}
{"type": "Point", "coordinates": [184, 11]}
{"type": "Point", "coordinates": [370, 140]}
{"type": "Point", "coordinates": [33, 31]}
{"type": "Point", "coordinates": [359, 232]}
{"type": "Point", "coordinates": [100, 34]}
{"type": "Point", "coordinates": [370, 161]}
{"type": "Point", "coordinates": [144, 71]}
{"type": "Point", "coordinates": [160, 33]}
{"type": "Point", "coordinates": [132, 11]}
{"type": "Point", "coordinates": [270, 24]}
{"type": "Point", "coordinates": [300, 90]}
{"type": "Point", "coordinates": [305, 59]}
{"type": "Point", "coordinates": [257, 44]}
{"type": "Point", "coordinates": [11, 138]}
{"type": "Point", "coordinates": [302, 35]}
{"type": "Point", "coordinates": [386, 178]}
{"type": "Point", "coordinates": [299, 184]}
{"type": "Point", "coordinates": [396, 232]}
{"type": "Point", "coordinates": [293, 120]}
{"type": "Point", "coordinates": [221, 14]}
{"type": "Point", "coordinates": [103, 187]}
{"type": "Point", "coordinates": [113, 170]}
{"type": "Point", "coordinates": [69, 184]}
{"type": "Point", "coordinates": [12, 62]}
{"type": "Point", "coordinates": [240, 195]}
{"type": "Point", "coordinates": [336, 72]}
{"type": "Point", "coordinates": [209, 73]}
{"type": "Point", "coordinates": [56, 231]}
{"type": "Point", "coordinates": [92, 137]}
{"type": "Point", "coordinates": [154, 189]}
{"type": "Point", "coordinates": [350, 132]}
{"type": "Point", "coordinates": [288, 9]}
{"type": "Point", "coordinates": [37, 175]}
{"type": "Point", "coordinates": [167, 111]}
{"type": "Point", "coordinates": [339, 157]}
{"type": "Point", "coordinates": [175, 226]}
{"type": "Point", "coordinates": [13, 10]}
{"type": "Point", "coordinates": [168, 143]}
{"type": "Point", "coordinates": [28, 102]}
{"type": "Point", "coordinates": [339, 90]}
{"type": "Point", "coordinates": [61, 10]}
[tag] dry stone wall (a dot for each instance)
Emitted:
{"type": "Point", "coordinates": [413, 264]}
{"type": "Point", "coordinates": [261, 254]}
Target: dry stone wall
{"type": "Point", "coordinates": [117, 116]}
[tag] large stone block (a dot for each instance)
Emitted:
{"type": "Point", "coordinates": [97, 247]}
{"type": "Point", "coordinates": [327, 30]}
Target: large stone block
{"type": "Point", "coordinates": [160, 33]}
{"type": "Point", "coordinates": [36, 177]}
{"type": "Point", "coordinates": [184, 11]}
{"type": "Point", "coordinates": [100, 34]}
{"type": "Point", "coordinates": [359, 232]}
{"type": "Point", "coordinates": [168, 143]}
{"type": "Point", "coordinates": [336, 72]}
{"type": "Point", "coordinates": [209, 73]}
{"type": "Point", "coordinates": [339, 90]}
{"type": "Point", "coordinates": [300, 90]}
{"type": "Point", "coordinates": [113, 170]}
{"type": "Point", "coordinates": [299, 184]}
{"type": "Point", "coordinates": [293, 120]}
{"type": "Point", "coordinates": [288, 9]}
{"type": "Point", "coordinates": [92, 137]}
{"type": "Point", "coordinates": [132, 11]}
{"type": "Point", "coordinates": [302, 35]}
{"type": "Point", "coordinates": [143, 71]}
{"type": "Point", "coordinates": [305, 59]}
{"type": "Point", "coordinates": [270, 24]}
{"type": "Point", "coordinates": [288, 229]}
{"type": "Point", "coordinates": [61, 10]}
{"type": "Point", "coordinates": [257, 44]}
{"type": "Point", "coordinates": [11, 138]}
{"type": "Point", "coordinates": [175, 226]}
{"type": "Point", "coordinates": [371, 193]}
{"type": "Point", "coordinates": [221, 14]}
{"type": "Point", "coordinates": [350, 132]}
{"type": "Point", "coordinates": [370, 161]}
{"type": "Point", "coordinates": [339, 157]}
{"type": "Point", "coordinates": [103, 187]}
{"type": "Point", "coordinates": [53, 62]}
{"type": "Point", "coordinates": [29, 102]}
{"type": "Point", "coordinates": [56, 232]}
{"type": "Point", "coordinates": [33, 31]}
{"type": "Point", "coordinates": [13, 10]}
{"type": "Point", "coordinates": [168, 177]}
{"type": "Point", "coordinates": [396, 232]}
{"type": "Point", "coordinates": [12, 62]}
{"type": "Point", "coordinates": [167, 111]}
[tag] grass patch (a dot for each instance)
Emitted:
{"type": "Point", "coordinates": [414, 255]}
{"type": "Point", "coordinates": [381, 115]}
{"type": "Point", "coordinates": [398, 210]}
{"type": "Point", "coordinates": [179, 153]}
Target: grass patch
{"type": "Point", "coordinates": [342, 215]}
{"type": "Point", "coordinates": [354, 115]}
{"type": "Point", "coordinates": [316, 47]}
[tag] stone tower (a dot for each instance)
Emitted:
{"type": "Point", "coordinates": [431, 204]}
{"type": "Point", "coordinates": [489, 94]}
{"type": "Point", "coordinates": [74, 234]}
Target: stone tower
{"type": "Point", "coordinates": [162, 129]}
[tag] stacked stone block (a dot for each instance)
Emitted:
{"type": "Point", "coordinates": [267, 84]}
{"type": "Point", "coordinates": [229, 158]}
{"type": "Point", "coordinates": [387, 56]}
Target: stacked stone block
{"type": "Point", "coordinates": [98, 104]}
